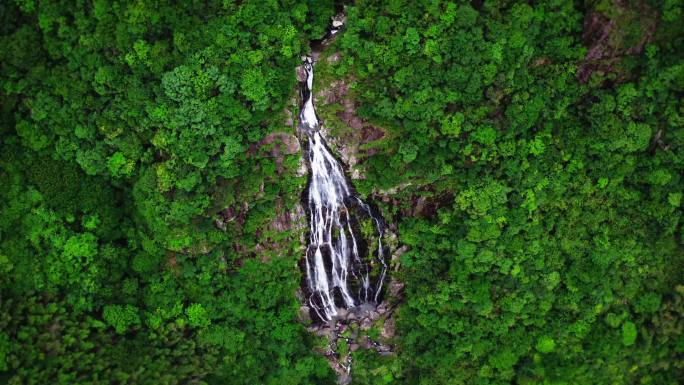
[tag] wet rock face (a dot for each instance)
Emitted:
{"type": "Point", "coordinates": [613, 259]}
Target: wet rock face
{"type": "Point", "coordinates": [609, 38]}
{"type": "Point", "coordinates": [301, 74]}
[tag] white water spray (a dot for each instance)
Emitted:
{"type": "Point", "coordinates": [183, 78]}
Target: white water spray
{"type": "Point", "coordinates": [343, 269]}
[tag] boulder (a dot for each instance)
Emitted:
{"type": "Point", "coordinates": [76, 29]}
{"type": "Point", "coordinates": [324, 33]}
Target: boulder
{"type": "Point", "coordinates": [388, 328]}
{"type": "Point", "coordinates": [366, 323]}
{"type": "Point", "coordinates": [301, 73]}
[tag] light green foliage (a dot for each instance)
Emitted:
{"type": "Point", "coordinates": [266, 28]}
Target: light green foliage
{"type": "Point", "coordinates": [118, 165]}
{"type": "Point", "coordinates": [629, 333]}
{"type": "Point", "coordinates": [452, 125]}
{"type": "Point", "coordinates": [121, 318]}
{"type": "Point", "coordinates": [546, 344]}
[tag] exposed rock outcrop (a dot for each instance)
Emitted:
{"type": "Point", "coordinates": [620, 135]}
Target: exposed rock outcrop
{"type": "Point", "coordinates": [609, 38]}
{"type": "Point", "coordinates": [345, 130]}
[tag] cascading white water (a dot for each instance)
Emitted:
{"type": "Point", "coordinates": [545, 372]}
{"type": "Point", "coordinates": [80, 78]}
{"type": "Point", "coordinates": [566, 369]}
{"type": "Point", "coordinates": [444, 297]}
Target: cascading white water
{"type": "Point", "coordinates": [343, 270]}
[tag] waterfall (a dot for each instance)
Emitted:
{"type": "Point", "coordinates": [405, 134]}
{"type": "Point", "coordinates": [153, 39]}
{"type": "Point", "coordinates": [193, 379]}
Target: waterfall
{"type": "Point", "coordinates": [345, 268]}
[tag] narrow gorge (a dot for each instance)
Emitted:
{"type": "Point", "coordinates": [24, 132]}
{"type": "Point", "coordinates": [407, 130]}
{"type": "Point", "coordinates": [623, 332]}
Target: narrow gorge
{"type": "Point", "coordinates": [347, 257]}
{"type": "Point", "coordinates": [345, 264]}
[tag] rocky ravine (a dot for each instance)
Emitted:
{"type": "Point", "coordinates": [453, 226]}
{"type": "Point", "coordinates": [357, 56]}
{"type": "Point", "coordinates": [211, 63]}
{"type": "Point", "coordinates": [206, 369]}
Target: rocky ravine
{"type": "Point", "coordinates": [366, 326]}
{"type": "Point", "coordinates": [349, 137]}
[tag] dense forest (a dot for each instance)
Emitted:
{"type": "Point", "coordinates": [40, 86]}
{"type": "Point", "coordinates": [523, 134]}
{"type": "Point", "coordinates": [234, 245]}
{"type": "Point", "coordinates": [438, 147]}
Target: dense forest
{"type": "Point", "coordinates": [528, 154]}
